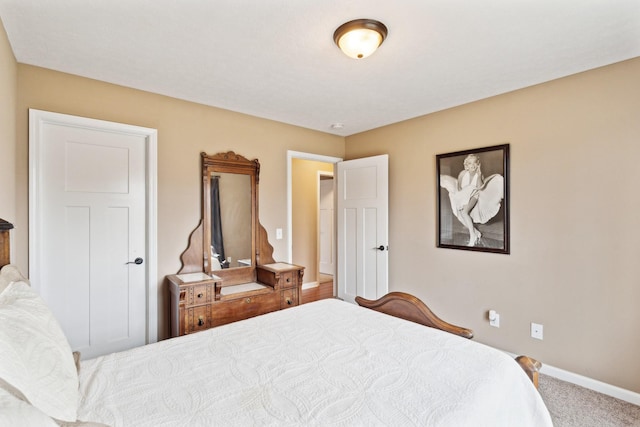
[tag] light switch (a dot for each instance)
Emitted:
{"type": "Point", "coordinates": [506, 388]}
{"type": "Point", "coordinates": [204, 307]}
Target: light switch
{"type": "Point", "coordinates": [279, 233]}
{"type": "Point", "coordinates": [494, 318]}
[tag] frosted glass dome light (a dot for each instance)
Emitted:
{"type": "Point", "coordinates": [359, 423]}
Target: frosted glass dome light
{"type": "Point", "coordinates": [360, 38]}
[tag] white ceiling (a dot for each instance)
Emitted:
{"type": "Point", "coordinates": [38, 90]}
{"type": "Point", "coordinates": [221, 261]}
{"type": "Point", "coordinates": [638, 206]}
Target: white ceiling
{"type": "Point", "coordinates": [276, 58]}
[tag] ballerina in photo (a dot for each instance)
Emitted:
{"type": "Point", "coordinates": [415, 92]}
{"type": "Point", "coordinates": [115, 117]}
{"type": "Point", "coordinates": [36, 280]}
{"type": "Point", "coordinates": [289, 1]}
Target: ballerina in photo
{"type": "Point", "coordinates": [474, 199]}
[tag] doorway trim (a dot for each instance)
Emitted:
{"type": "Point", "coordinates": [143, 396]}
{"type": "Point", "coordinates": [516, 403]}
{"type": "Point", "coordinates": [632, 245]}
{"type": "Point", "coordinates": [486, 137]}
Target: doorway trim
{"type": "Point", "coordinates": [39, 117]}
{"type": "Point", "coordinates": [304, 156]}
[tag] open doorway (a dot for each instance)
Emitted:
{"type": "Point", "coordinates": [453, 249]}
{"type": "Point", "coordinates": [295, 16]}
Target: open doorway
{"type": "Point", "coordinates": [326, 236]}
{"type": "Point", "coordinates": [306, 174]}
{"type": "Point", "coordinates": [326, 225]}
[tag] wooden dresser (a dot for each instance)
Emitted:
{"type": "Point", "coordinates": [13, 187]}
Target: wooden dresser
{"type": "Point", "coordinates": [228, 271]}
{"type": "Point", "coordinates": [200, 301]}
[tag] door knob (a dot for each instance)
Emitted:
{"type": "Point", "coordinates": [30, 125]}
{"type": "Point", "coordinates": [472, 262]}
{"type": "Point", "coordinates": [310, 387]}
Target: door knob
{"type": "Point", "coordinates": [137, 261]}
{"type": "Point", "coordinates": [381, 248]}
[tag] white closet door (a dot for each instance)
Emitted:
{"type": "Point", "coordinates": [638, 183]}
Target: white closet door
{"type": "Point", "coordinates": [89, 187]}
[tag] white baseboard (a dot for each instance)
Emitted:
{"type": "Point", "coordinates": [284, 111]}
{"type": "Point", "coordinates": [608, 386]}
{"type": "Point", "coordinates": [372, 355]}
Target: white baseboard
{"type": "Point", "coordinates": [310, 285]}
{"type": "Point", "coordinates": [590, 383]}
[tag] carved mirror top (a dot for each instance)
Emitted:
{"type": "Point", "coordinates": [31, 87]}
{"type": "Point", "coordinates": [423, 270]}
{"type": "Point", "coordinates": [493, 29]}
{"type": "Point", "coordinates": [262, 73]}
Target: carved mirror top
{"type": "Point", "coordinates": [231, 162]}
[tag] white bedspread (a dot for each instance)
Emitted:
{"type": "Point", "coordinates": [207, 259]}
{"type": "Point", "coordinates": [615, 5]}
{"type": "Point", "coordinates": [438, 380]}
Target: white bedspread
{"type": "Point", "coordinates": [324, 363]}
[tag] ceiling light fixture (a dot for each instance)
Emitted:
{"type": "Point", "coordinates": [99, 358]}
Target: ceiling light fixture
{"type": "Point", "coordinates": [360, 38]}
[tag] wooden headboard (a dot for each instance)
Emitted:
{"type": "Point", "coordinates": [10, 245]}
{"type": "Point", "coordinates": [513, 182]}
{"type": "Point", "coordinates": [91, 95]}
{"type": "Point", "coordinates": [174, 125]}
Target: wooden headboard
{"type": "Point", "coordinates": [5, 248]}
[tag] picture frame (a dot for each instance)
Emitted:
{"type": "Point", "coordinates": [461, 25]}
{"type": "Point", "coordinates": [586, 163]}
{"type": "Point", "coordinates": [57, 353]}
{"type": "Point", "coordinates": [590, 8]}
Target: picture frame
{"type": "Point", "coordinates": [473, 199]}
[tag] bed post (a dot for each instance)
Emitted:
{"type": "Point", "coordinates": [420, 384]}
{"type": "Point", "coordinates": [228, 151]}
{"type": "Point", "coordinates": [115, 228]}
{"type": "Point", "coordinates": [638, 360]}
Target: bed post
{"type": "Point", "coordinates": [531, 367]}
{"type": "Point", "coordinates": [5, 249]}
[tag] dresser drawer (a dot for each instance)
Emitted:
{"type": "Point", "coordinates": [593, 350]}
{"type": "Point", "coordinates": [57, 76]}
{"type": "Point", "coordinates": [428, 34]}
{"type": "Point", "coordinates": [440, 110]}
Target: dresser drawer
{"type": "Point", "coordinates": [198, 318]}
{"type": "Point", "coordinates": [289, 298]}
{"type": "Point", "coordinates": [288, 279]}
{"type": "Point", "coordinates": [243, 308]}
{"type": "Point", "coordinates": [191, 294]}
{"type": "Point", "coordinates": [199, 294]}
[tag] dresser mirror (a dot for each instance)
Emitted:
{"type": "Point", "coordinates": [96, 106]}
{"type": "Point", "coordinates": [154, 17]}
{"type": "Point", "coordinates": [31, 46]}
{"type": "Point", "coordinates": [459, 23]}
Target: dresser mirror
{"type": "Point", "coordinates": [230, 210]}
{"type": "Point", "coordinates": [229, 239]}
{"type": "Point", "coordinates": [230, 215]}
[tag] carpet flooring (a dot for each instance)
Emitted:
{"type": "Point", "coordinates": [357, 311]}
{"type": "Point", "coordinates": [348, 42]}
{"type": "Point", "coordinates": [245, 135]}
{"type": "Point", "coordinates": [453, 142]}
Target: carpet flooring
{"type": "Point", "coordinates": [574, 406]}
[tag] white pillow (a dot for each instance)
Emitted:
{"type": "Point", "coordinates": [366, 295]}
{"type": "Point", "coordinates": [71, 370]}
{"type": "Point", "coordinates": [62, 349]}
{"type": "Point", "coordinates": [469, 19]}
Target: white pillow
{"type": "Point", "coordinates": [35, 357]}
{"type": "Point", "coordinates": [16, 412]}
{"type": "Point", "coordinates": [10, 273]}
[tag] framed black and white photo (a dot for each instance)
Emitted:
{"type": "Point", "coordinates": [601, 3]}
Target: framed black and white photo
{"type": "Point", "coordinates": [473, 199]}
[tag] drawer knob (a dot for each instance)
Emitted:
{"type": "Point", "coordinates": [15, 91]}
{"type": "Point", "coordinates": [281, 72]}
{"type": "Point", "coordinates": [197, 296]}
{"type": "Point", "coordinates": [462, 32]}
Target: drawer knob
{"type": "Point", "coordinates": [248, 300]}
{"type": "Point", "coordinates": [289, 302]}
{"type": "Point", "coordinates": [200, 295]}
{"type": "Point", "coordinates": [200, 321]}
{"type": "Point", "coordinates": [288, 279]}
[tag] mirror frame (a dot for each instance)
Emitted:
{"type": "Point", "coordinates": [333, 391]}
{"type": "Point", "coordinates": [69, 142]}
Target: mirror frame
{"type": "Point", "coordinates": [229, 162]}
{"type": "Point", "coordinates": [196, 258]}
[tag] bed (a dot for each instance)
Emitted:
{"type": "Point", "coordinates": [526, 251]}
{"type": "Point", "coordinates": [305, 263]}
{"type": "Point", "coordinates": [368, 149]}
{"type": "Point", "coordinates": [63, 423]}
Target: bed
{"type": "Point", "coordinates": [322, 363]}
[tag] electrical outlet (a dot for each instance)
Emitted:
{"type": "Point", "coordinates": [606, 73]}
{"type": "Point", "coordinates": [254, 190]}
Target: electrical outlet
{"type": "Point", "coordinates": [278, 233]}
{"type": "Point", "coordinates": [494, 319]}
{"type": "Point", "coordinates": [536, 331]}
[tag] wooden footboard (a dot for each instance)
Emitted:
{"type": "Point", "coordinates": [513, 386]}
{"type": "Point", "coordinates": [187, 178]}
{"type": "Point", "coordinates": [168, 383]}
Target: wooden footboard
{"type": "Point", "coordinates": [408, 307]}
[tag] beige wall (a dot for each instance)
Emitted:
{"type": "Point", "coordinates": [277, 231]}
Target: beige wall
{"type": "Point", "coordinates": [184, 130]}
{"type": "Point", "coordinates": [8, 99]}
{"type": "Point", "coordinates": [575, 146]}
{"type": "Point", "coordinates": [304, 221]}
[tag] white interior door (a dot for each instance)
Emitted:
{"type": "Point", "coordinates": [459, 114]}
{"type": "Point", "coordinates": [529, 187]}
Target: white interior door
{"type": "Point", "coordinates": [362, 211]}
{"type": "Point", "coordinates": [88, 222]}
{"type": "Point", "coordinates": [326, 215]}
